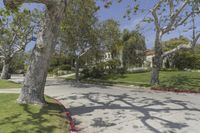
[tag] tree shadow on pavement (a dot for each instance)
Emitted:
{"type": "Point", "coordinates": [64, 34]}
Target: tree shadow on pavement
{"type": "Point", "coordinates": [145, 106]}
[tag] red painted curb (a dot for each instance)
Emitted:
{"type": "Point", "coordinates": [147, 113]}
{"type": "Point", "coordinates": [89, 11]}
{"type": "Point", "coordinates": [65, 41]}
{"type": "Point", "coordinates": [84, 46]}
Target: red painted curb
{"type": "Point", "coordinates": [175, 90]}
{"type": "Point", "coordinates": [68, 117]}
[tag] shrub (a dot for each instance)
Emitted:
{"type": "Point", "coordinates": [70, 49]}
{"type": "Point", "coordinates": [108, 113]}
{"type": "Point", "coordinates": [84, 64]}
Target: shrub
{"type": "Point", "coordinates": [97, 72]}
{"type": "Point", "coordinates": [121, 71]}
{"type": "Point", "coordinates": [86, 73]}
{"type": "Point", "coordinates": [65, 67]}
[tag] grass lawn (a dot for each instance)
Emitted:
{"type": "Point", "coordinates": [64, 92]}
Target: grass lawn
{"type": "Point", "coordinates": [8, 84]}
{"type": "Point", "coordinates": [15, 118]}
{"type": "Point", "coordinates": [175, 79]}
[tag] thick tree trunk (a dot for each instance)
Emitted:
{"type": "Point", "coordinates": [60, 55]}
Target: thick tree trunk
{"type": "Point", "coordinates": [5, 71]}
{"type": "Point", "coordinates": [157, 60]}
{"type": "Point", "coordinates": [155, 71]}
{"type": "Point", "coordinates": [33, 89]}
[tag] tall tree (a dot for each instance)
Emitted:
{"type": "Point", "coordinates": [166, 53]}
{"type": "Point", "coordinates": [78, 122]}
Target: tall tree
{"type": "Point", "coordinates": [167, 16]}
{"type": "Point", "coordinates": [17, 30]}
{"type": "Point", "coordinates": [134, 47]}
{"type": "Point", "coordinates": [79, 29]}
{"type": "Point", "coordinates": [33, 88]}
{"type": "Point", "coordinates": [111, 36]}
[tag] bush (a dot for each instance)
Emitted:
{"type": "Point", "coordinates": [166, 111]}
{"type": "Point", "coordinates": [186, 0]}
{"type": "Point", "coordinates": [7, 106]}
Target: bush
{"type": "Point", "coordinates": [65, 67]}
{"type": "Point", "coordinates": [121, 71]}
{"type": "Point", "coordinates": [97, 71]}
{"type": "Point", "coordinates": [86, 72]}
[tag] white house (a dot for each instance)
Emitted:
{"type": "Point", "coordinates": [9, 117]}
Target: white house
{"type": "Point", "coordinates": [149, 58]}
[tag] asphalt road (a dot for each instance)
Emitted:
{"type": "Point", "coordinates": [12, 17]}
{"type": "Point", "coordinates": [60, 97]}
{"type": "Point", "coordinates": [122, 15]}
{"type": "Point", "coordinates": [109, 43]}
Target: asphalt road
{"type": "Point", "coordinates": [100, 109]}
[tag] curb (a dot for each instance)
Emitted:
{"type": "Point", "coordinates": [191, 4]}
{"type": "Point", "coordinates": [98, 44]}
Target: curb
{"type": "Point", "coordinates": [176, 90]}
{"type": "Point", "coordinates": [68, 117]}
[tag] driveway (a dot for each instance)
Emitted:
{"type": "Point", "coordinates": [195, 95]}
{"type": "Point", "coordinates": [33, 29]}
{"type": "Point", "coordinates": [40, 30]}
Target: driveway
{"type": "Point", "coordinates": [100, 109]}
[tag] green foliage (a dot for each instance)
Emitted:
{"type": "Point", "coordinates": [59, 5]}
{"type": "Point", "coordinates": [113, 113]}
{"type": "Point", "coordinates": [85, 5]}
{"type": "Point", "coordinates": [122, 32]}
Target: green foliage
{"type": "Point", "coordinates": [112, 65]}
{"type": "Point", "coordinates": [187, 59]}
{"type": "Point", "coordinates": [94, 72]}
{"type": "Point", "coordinates": [60, 62]}
{"type": "Point", "coordinates": [102, 69]}
{"type": "Point", "coordinates": [18, 63]}
{"type": "Point", "coordinates": [111, 37]}
{"type": "Point", "coordinates": [133, 52]}
{"type": "Point", "coordinates": [183, 59]}
{"type": "Point", "coordinates": [65, 67]}
{"type": "Point", "coordinates": [173, 43]}
{"type": "Point", "coordinates": [16, 31]}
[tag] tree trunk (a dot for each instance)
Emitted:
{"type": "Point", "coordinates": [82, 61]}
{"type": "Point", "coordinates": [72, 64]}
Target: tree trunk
{"type": "Point", "coordinates": [5, 71]}
{"type": "Point", "coordinates": [77, 70]}
{"type": "Point", "coordinates": [155, 71]}
{"type": "Point", "coordinates": [33, 89]}
{"type": "Point", "coordinates": [157, 60]}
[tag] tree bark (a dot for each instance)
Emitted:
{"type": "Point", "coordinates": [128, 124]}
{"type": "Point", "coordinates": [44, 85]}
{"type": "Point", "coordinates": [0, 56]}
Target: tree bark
{"type": "Point", "coordinates": [33, 89]}
{"type": "Point", "coordinates": [77, 69]}
{"type": "Point", "coordinates": [5, 71]}
{"type": "Point", "coordinates": [157, 60]}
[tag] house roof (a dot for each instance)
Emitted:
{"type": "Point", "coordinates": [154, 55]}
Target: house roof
{"type": "Point", "coordinates": [149, 52]}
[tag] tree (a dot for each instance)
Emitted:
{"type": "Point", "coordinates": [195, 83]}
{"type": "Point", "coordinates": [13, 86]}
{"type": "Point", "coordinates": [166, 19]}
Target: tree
{"type": "Point", "coordinates": [167, 16]}
{"type": "Point", "coordinates": [174, 17]}
{"type": "Point", "coordinates": [16, 32]}
{"type": "Point", "coordinates": [188, 59]}
{"type": "Point", "coordinates": [182, 59]}
{"type": "Point", "coordinates": [33, 89]}
{"type": "Point", "coordinates": [111, 37]}
{"type": "Point", "coordinates": [169, 61]}
{"type": "Point", "coordinates": [79, 29]}
{"type": "Point", "coordinates": [134, 47]}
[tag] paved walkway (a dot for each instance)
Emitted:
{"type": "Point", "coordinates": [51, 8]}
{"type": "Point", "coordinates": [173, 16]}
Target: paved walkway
{"type": "Point", "coordinates": [100, 109]}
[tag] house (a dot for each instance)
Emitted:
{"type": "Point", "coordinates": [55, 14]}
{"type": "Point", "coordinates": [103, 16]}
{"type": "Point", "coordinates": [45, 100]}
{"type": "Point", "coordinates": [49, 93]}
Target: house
{"type": "Point", "coordinates": [149, 53]}
{"type": "Point", "coordinates": [107, 56]}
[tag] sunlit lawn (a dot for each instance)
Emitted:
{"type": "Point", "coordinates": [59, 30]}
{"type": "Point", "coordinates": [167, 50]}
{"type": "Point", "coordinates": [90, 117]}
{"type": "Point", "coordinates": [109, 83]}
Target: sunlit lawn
{"type": "Point", "coordinates": [15, 118]}
{"type": "Point", "coordinates": [174, 79]}
{"type": "Point", "coordinates": [8, 84]}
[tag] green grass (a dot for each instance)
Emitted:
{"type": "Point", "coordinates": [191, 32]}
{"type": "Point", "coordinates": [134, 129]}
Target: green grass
{"type": "Point", "coordinates": [8, 84]}
{"type": "Point", "coordinates": [168, 79]}
{"type": "Point", "coordinates": [15, 118]}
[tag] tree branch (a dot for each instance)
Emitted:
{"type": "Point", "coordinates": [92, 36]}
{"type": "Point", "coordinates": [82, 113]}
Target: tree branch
{"type": "Point", "coordinates": [174, 17]}
{"type": "Point", "coordinates": [183, 46]}
{"type": "Point", "coordinates": [14, 3]}
{"type": "Point", "coordinates": [171, 6]}
{"type": "Point", "coordinates": [155, 16]}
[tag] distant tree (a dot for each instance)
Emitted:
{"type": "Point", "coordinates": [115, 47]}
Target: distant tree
{"type": "Point", "coordinates": [134, 47]}
{"type": "Point", "coordinates": [169, 60]}
{"type": "Point", "coordinates": [79, 29]}
{"type": "Point", "coordinates": [111, 37]}
{"type": "Point", "coordinates": [17, 31]}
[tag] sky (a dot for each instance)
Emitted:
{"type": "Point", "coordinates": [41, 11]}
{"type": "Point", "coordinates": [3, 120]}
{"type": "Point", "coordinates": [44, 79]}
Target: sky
{"type": "Point", "coordinates": [117, 11]}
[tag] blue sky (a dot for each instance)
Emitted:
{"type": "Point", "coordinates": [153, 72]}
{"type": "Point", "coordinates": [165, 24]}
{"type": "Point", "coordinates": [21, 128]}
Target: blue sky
{"type": "Point", "coordinates": [117, 11]}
